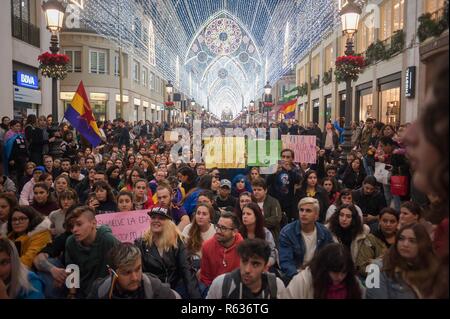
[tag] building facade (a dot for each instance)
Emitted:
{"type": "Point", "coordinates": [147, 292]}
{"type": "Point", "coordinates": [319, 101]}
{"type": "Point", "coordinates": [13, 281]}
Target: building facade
{"type": "Point", "coordinates": [25, 37]}
{"type": "Point", "coordinates": [388, 89]}
{"type": "Point", "coordinates": [95, 61]}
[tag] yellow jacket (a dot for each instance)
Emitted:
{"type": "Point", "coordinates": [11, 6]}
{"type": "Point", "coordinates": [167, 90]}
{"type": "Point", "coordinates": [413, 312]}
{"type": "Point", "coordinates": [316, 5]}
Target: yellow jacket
{"type": "Point", "coordinates": [33, 242]}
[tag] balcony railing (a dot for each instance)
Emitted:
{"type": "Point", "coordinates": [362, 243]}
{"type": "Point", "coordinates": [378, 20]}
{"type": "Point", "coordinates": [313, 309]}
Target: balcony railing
{"type": "Point", "coordinates": [26, 32]}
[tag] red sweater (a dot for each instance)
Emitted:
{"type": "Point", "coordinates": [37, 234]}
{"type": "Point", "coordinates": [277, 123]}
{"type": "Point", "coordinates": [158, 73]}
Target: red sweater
{"type": "Point", "coordinates": [217, 260]}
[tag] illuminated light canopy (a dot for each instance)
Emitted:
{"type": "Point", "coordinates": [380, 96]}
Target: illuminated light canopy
{"type": "Point", "coordinates": [182, 41]}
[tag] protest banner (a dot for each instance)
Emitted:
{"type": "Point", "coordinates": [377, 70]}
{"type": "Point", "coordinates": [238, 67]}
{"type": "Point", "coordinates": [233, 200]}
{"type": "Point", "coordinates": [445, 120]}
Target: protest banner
{"type": "Point", "coordinates": [303, 146]}
{"type": "Point", "coordinates": [170, 136]}
{"type": "Point", "coordinates": [224, 152]}
{"type": "Point", "coordinates": [126, 226]}
{"type": "Point", "coordinates": [263, 153]}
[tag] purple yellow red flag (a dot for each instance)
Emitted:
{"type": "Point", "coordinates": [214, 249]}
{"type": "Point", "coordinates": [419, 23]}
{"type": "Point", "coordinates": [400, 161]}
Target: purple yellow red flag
{"type": "Point", "coordinates": [79, 114]}
{"type": "Point", "coordinates": [288, 109]}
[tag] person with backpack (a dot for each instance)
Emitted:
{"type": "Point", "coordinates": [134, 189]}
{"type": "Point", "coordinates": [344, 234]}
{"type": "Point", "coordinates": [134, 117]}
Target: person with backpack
{"type": "Point", "coordinates": [251, 280]}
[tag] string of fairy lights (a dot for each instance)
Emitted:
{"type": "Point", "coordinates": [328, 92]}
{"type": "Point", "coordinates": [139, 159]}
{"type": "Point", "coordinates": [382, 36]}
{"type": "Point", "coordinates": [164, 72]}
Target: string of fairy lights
{"type": "Point", "coordinates": [161, 31]}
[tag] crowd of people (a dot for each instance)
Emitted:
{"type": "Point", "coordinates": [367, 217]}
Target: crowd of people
{"type": "Point", "coordinates": [306, 231]}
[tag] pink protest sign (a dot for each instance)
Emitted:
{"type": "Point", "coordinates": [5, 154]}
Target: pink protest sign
{"type": "Point", "coordinates": [126, 226]}
{"type": "Point", "coordinates": [303, 146]}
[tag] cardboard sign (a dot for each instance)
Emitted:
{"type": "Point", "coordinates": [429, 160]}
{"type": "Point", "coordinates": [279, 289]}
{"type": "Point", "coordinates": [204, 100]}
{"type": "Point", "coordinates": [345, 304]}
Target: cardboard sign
{"type": "Point", "coordinates": [126, 226]}
{"type": "Point", "coordinates": [224, 152]}
{"type": "Point", "coordinates": [263, 153]}
{"type": "Point", "coordinates": [170, 136]}
{"type": "Point", "coordinates": [303, 146]}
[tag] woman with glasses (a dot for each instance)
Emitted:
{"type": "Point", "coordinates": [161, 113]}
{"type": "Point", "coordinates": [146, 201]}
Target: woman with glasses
{"type": "Point", "coordinates": [30, 232]}
{"type": "Point", "coordinates": [345, 198]}
{"type": "Point", "coordinates": [16, 281]}
{"type": "Point", "coordinates": [240, 184]}
{"type": "Point", "coordinates": [164, 254]}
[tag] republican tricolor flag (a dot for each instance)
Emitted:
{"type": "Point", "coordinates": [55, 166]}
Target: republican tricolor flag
{"type": "Point", "coordinates": [79, 114]}
{"type": "Point", "coordinates": [288, 109]}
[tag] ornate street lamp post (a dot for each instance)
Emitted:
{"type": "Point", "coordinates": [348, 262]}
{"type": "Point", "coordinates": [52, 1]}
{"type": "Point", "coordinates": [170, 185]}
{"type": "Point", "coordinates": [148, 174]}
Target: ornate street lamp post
{"type": "Point", "coordinates": [350, 15]}
{"type": "Point", "coordinates": [54, 17]}
{"type": "Point", "coordinates": [268, 103]}
{"type": "Point", "coordinates": [169, 104]}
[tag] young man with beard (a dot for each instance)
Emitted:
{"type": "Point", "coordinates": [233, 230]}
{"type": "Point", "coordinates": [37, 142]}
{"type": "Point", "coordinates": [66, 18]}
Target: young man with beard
{"type": "Point", "coordinates": [219, 254]}
{"type": "Point", "coordinates": [252, 280]}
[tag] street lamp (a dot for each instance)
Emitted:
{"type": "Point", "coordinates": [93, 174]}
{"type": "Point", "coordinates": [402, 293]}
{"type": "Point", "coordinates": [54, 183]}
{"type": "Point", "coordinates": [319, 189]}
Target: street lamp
{"type": "Point", "coordinates": [169, 103]}
{"type": "Point", "coordinates": [203, 112]}
{"type": "Point", "coordinates": [268, 99]}
{"type": "Point", "coordinates": [54, 17]}
{"type": "Point", "coordinates": [350, 15]}
{"type": "Point", "coordinates": [252, 111]}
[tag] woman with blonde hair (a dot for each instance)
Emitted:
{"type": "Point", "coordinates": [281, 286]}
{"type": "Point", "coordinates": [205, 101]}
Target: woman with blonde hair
{"type": "Point", "coordinates": [16, 281]}
{"type": "Point", "coordinates": [164, 254]}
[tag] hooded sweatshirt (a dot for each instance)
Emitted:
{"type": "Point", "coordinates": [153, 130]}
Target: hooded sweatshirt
{"type": "Point", "coordinates": [218, 260]}
{"type": "Point", "coordinates": [91, 259]}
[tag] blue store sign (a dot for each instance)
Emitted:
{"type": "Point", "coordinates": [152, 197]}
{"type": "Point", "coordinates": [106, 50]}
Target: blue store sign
{"type": "Point", "coordinates": [27, 80]}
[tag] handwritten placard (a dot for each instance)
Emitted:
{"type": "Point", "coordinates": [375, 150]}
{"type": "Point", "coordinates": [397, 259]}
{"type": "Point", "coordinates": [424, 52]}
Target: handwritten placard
{"type": "Point", "coordinates": [303, 146]}
{"type": "Point", "coordinates": [170, 136]}
{"type": "Point", "coordinates": [126, 226]}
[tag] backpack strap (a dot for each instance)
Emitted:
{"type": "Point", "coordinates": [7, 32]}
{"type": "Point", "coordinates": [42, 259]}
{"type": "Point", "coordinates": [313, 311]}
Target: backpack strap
{"type": "Point", "coordinates": [272, 283]}
{"type": "Point", "coordinates": [226, 285]}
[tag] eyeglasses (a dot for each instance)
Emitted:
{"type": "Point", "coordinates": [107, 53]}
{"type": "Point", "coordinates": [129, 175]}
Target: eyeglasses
{"type": "Point", "coordinates": [222, 229]}
{"type": "Point", "coordinates": [19, 220]}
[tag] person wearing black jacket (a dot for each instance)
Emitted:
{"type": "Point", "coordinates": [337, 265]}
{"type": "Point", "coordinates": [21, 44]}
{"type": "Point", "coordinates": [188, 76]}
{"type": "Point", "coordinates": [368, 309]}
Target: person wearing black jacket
{"type": "Point", "coordinates": [123, 134]}
{"type": "Point", "coordinates": [311, 188]}
{"type": "Point", "coordinates": [35, 137]}
{"type": "Point", "coordinates": [164, 255]}
{"type": "Point", "coordinates": [354, 175]}
{"type": "Point", "coordinates": [281, 185]}
{"type": "Point", "coordinates": [370, 200]}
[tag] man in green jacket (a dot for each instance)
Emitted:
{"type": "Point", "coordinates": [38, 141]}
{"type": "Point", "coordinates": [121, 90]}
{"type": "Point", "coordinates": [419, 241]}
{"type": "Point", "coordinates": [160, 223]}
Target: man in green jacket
{"type": "Point", "coordinates": [270, 206]}
{"type": "Point", "coordinates": [87, 248]}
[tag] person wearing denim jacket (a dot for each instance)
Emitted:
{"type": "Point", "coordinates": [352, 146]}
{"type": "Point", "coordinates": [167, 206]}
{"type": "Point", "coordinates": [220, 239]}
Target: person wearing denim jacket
{"type": "Point", "coordinates": [293, 249]}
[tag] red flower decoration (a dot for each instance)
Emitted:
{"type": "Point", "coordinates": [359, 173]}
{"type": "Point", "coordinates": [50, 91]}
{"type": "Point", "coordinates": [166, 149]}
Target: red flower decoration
{"type": "Point", "coordinates": [349, 67]}
{"type": "Point", "coordinates": [53, 65]}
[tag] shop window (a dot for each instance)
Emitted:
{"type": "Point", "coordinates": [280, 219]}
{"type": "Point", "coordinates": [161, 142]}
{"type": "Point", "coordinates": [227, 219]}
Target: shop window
{"type": "Point", "coordinates": [390, 106]}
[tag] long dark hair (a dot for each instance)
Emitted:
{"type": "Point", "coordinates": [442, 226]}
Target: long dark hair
{"type": "Point", "coordinates": [104, 185]}
{"type": "Point", "coordinates": [420, 271]}
{"type": "Point", "coordinates": [304, 185]}
{"type": "Point", "coordinates": [333, 258]}
{"type": "Point", "coordinates": [259, 223]}
{"type": "Point", "coordinates": [356, 227]}
{"type": "Point", "coordinates": [333, 182]}
{"type": "Point", "coordinates": [34, 217]}
{"type": "Point", "coordinates": [344, 192]}
{"type": "Point", "coordinates": [140, 172]}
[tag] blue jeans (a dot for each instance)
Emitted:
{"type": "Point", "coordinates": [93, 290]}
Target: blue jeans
{"type": "Point", "coordinates": [52, 292]}
{"type": "Point", "coordinates": [392, 201]}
